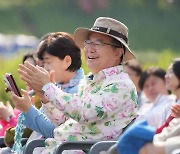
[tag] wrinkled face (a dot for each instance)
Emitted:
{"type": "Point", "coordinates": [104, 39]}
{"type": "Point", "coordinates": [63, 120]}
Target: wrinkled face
{"type": "Point", "coordinates": [54, 63]}
{"type": "Point", "coordinates": [103, 56]}
{"type": "Point", "coordinates": [154, 86]}
{"type": "Point", "coordinates": [172, 82]}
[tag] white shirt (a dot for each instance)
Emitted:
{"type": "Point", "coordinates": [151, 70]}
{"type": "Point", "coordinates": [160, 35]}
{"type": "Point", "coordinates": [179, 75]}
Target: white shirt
{"type": "Point", "coordinates": [159, 111]}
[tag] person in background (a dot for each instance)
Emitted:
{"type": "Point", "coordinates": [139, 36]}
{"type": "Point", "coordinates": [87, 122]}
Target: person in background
{"type": "Point", "coordinates": [57, 49]}
{"type": "Point", "coordinates": [60, 54]}
{"type": "Point", "coordinates": [152, 83]}
{"type": "Point", "coordinates": [9, 115]}
{"type": "Point", "coordinates": [169, 139]}
{"type": "Point", "coordinates": [10, 131]}
{"type": "Point", "coordinates": [106, 101]}
{"type": "Point", "coordinates": [134, 70]}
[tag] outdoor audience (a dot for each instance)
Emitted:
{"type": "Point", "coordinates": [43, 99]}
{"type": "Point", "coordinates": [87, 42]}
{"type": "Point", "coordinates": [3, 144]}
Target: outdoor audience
{"type": "Point", "coordinates": [169, 139]}
{"type": "Point", "coordinates": [106, 100]}
{"type": "Point", "coordinates": [157, 109]}
{"type": "Point", "coordinates": [135, 138]}
{"type": "Point", "coordinates": [73, 107]}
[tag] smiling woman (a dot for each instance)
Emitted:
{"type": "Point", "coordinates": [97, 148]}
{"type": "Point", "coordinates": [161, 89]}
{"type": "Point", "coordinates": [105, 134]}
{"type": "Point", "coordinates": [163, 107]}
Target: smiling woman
{"type": "Point", "coordinates": [106, 100]}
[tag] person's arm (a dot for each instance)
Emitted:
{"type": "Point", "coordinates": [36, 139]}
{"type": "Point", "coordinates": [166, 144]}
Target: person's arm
{"type": "Point", "coordinates": [37, 121]}
{"type": "Point", "coordinates": [151, 148]}
{"type": "Point", "coordinates": [94, 106]}
{"type": "Point", "coordinates": [171, 144]}
{"type": "Point", "coordinates": [53, 114]}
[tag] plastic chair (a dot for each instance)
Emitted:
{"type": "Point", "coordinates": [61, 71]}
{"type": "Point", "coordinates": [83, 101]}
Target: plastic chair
{"type": "Point", "coordinates": [113, 149]}
{"type": "Point", "coordinates": [78, 145]}
{"type": "Point", "coordinates": [30, 146]}
{"type": "Point", "coordinates": [2, 144]}
{"type": "Point", "coordinates": [101, 146]}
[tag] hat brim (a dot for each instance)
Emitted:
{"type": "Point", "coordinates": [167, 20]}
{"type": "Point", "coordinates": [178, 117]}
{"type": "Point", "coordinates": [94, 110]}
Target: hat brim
{"type": "Point", "coordinates": [82, 34]}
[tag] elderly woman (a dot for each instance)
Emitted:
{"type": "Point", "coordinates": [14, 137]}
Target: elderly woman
{"type": "Point", "coordinates": [106, 101]}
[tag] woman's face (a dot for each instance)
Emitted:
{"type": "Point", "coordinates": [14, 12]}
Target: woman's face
{"type": "Point", "coordinates": [154, 86]}
{"type": "Point", "coordinates": [103, 56]}
{"type": "Point", "coordinates": [172, 82]}
{"type": "Point", "coordinates": [54, 63]}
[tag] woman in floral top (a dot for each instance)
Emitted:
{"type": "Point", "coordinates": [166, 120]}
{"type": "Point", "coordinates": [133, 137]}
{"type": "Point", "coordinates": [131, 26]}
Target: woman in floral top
{"type": "Point", "coordinates": [106, 101]}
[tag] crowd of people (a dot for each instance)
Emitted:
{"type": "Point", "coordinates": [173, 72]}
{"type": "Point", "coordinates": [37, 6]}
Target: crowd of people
{"type": "Point", "coordinates": [69, 106]}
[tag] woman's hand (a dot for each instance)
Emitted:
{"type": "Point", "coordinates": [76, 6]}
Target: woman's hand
{"type": "Point", "coordinates": [5, 111]}
{"type": "Point", "coordinates": [34, 76]}
{"type": "Point", "coordinates": [21, 103]}
{"type": "Point", "coordinates": [175, 110]}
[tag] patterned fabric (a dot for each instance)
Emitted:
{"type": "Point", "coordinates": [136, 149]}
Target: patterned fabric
{"type": "Point", "coordinates": [52, 113]}
{"type": "Point", "coordinates": [17, 147]}
{"type": "Point", "coordinates": [100, 110]}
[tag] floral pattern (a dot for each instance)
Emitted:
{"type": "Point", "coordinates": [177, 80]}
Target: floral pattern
{"type": "Point", "coordinates": [100, 110]}
{"type": "Point", "coordinates": [53, 114]}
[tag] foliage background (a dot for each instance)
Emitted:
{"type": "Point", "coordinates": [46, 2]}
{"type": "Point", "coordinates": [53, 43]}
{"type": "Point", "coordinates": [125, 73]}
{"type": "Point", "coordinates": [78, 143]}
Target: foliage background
{"type": "Point", "coordinates": [153, 26]}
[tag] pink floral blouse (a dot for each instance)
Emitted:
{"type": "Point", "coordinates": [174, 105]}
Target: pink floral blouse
{"type": "Point", "coordinates": [100, 110]}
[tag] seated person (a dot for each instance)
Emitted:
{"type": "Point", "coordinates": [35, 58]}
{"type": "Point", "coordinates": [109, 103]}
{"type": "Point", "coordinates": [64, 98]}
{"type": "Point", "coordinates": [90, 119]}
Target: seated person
{"type": "Point", "coordinates": [156, 111]}
{"type": "Point", "coordinates": [60, 54]}
{"type": "Point", "coordinates": [165, 142]}
{"type": "Point", "coordinates": [63, 56]}
{"type": "Point", "coordinates": [106, 101]}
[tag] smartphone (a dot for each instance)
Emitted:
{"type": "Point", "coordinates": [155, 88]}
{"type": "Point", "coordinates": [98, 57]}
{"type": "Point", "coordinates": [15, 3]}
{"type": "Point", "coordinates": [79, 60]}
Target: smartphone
{"type": "Point", "coordinates": [11, 84]}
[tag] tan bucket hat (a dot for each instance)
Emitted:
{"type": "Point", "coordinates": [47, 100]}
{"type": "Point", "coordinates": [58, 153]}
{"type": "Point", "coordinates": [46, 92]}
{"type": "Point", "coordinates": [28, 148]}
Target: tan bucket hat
{"type": "Point", "coordinates": [107, 26]}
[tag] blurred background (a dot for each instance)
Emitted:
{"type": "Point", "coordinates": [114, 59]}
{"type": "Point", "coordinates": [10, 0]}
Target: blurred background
{"type": "Point", "coordinates": [153, 27]}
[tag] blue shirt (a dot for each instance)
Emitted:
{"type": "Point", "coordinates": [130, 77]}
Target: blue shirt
{"type": "Point", "coordinates": [37, 121]}
{"type": "Point", "coordinates": [135, 137]}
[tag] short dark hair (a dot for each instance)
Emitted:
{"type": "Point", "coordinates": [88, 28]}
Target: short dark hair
{"type": "Point", "coordinates": [61, 44]}
{"type": "Point", "coordinates": [28, 55]}
{"type": "Point", "coordinates": [155, 71]}
{"type": "Point", "coordinates": [176, 67]}
{"type": "Point", "coordinates": [135, 66]}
